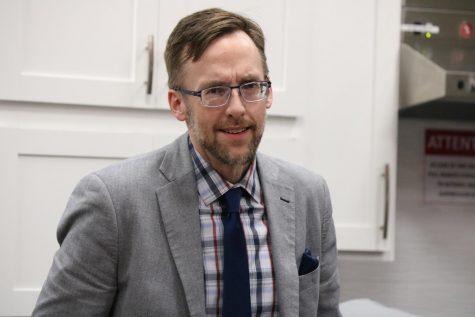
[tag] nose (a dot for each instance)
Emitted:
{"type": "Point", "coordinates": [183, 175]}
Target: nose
{"type": "Point", "coordinates": [236, 107]}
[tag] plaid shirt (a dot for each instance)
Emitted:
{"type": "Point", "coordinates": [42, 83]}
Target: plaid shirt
{"type": "Point", "coordinates": [253, 218]}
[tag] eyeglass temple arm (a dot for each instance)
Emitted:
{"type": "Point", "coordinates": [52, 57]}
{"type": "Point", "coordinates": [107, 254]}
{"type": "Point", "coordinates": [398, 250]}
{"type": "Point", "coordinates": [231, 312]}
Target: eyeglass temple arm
{"type": "Point", "coordinates": [189, 92]}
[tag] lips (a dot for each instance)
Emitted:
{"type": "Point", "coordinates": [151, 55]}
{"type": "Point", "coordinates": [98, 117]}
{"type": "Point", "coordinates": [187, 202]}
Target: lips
{"type": "Point", "coordinates": [234, 130]}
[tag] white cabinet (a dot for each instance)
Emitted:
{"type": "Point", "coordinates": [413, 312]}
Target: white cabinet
{"type": "Point", "coordinates": [333, 65]}
{"type": "Point", "coordinates": [99, 53]}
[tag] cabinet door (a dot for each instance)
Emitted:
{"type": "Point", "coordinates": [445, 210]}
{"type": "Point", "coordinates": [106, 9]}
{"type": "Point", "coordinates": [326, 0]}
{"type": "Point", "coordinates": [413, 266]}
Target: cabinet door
{"type": "Point", "coordinates": [76, 51]}
{"type": "Point", "coordinates": [287, 29]}
{"type": "Point", "coordinates": [354, 115]}
{"type": "Point", "coordinates": [39, 169]}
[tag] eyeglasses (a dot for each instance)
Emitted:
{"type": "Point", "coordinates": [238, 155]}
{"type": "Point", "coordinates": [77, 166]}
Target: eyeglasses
{"type": "Point", "coordinates": [218, 96]}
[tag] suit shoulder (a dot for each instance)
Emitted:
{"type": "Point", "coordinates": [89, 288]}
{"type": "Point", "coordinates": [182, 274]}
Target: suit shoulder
{"type": "Point", "coordinates": [143, 168]}
{"type": "Point", "coordinates": [137, 163]}
{"type": "Point", "coordinates": [294, 173]}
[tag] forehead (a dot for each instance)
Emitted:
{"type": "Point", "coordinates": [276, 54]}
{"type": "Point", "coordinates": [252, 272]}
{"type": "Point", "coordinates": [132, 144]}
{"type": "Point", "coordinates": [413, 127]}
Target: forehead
{"type": "Point", "coordinates": [231, 58]}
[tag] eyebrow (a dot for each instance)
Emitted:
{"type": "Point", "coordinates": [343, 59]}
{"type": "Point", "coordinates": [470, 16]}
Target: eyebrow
{"type": "Point", "coordinates": [212, 83]}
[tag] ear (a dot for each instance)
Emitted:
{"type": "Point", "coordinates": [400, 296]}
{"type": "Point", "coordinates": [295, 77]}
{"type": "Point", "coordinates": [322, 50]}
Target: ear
{"type": "Point", "coordinates": [270, 98]}
{"type": "Point", "coordinates": [177, 105]}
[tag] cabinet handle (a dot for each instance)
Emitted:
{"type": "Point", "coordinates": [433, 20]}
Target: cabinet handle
{"type": "Point", "coordinates": [150, 48]}
{"type": "Point", "coordinates": [384, 227]}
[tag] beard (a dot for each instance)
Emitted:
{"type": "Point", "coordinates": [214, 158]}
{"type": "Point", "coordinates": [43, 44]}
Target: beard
{"type": "Point", "coordinates": [219, 151]}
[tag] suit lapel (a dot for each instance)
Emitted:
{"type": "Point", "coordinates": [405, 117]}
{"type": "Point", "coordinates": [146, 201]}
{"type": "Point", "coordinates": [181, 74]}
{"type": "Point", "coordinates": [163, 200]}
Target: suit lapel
{"type": "Point", "coordinates": [178, 204]}
{"type": "Point", "coordinates": [280, 209]}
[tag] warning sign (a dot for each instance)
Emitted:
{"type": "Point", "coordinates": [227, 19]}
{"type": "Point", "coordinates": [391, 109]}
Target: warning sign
{"type": "Point", "coordinates": [450, 166]}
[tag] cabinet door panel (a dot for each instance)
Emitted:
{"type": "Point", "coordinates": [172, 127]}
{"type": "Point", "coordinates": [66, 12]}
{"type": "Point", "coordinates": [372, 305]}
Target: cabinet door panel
{"type": "Point", "coordinates": [60, 44]}
{"type": "Point", "coordinates": [76, 51]}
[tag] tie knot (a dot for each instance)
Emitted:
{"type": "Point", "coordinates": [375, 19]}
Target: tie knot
{"type": "Point", "coordinates": [232, 198]}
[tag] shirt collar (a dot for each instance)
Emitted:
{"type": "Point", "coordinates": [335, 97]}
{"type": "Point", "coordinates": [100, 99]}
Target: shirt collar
{"type": "Point", "coordinates": [211, 185]}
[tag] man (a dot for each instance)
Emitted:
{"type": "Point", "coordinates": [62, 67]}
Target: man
{"type": "Point", "coordinates": [203, 226]}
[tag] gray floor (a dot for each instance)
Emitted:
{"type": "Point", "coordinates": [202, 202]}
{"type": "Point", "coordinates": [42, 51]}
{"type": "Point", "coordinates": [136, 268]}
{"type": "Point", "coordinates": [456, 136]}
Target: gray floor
{"type": "Point", "coordinates": [434, 270]}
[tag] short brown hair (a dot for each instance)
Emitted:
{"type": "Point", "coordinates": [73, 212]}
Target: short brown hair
{"type": "Point", "coordinates": [194, 33]}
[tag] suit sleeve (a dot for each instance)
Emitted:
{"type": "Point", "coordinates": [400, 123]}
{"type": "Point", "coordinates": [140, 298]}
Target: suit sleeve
{"type": "Point", "coordinates": [82, 279]}
{"type": "Point", "coordinates": [329, 296]}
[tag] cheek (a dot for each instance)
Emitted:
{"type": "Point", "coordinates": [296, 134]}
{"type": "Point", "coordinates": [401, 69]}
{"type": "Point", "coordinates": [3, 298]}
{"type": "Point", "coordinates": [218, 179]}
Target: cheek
{"type": "Point", "coordinates": [205, 120]}
{"type": "Point", "coordinates": [259, 116]}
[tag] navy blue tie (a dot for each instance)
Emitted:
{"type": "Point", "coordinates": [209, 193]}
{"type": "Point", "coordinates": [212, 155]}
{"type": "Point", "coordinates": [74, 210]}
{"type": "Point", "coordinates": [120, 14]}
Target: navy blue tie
{"type": "Point", "coordinates": [236, 293]}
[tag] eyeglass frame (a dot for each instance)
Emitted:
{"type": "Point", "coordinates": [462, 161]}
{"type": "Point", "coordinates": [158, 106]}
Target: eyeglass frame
{"type": "Point", "coordinates": [198, 93]}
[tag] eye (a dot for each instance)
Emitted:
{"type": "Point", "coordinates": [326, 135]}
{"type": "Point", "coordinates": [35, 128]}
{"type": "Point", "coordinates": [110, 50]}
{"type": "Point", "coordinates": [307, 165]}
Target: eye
{"type": "Point", "coordinates": [254, 90]}
{"type": "Point", "coordinates": [252, 86]}
{"type": "Point", "coordinates": [217, 91]}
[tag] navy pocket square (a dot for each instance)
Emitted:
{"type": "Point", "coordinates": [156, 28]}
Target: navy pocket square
{"type": "Point", "coordinates": [308, 263]}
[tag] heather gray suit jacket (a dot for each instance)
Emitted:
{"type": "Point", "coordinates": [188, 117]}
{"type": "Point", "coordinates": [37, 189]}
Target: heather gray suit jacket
{"type": "Point", "coordinates": [131, 245]}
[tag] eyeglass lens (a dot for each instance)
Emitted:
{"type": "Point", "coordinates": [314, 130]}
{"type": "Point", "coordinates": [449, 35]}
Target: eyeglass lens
{"type": "Point", "coordinates": [218, 96]}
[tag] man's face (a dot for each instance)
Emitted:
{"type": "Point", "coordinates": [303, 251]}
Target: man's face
{"type": "Point", "coordinates": [228, 135]}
